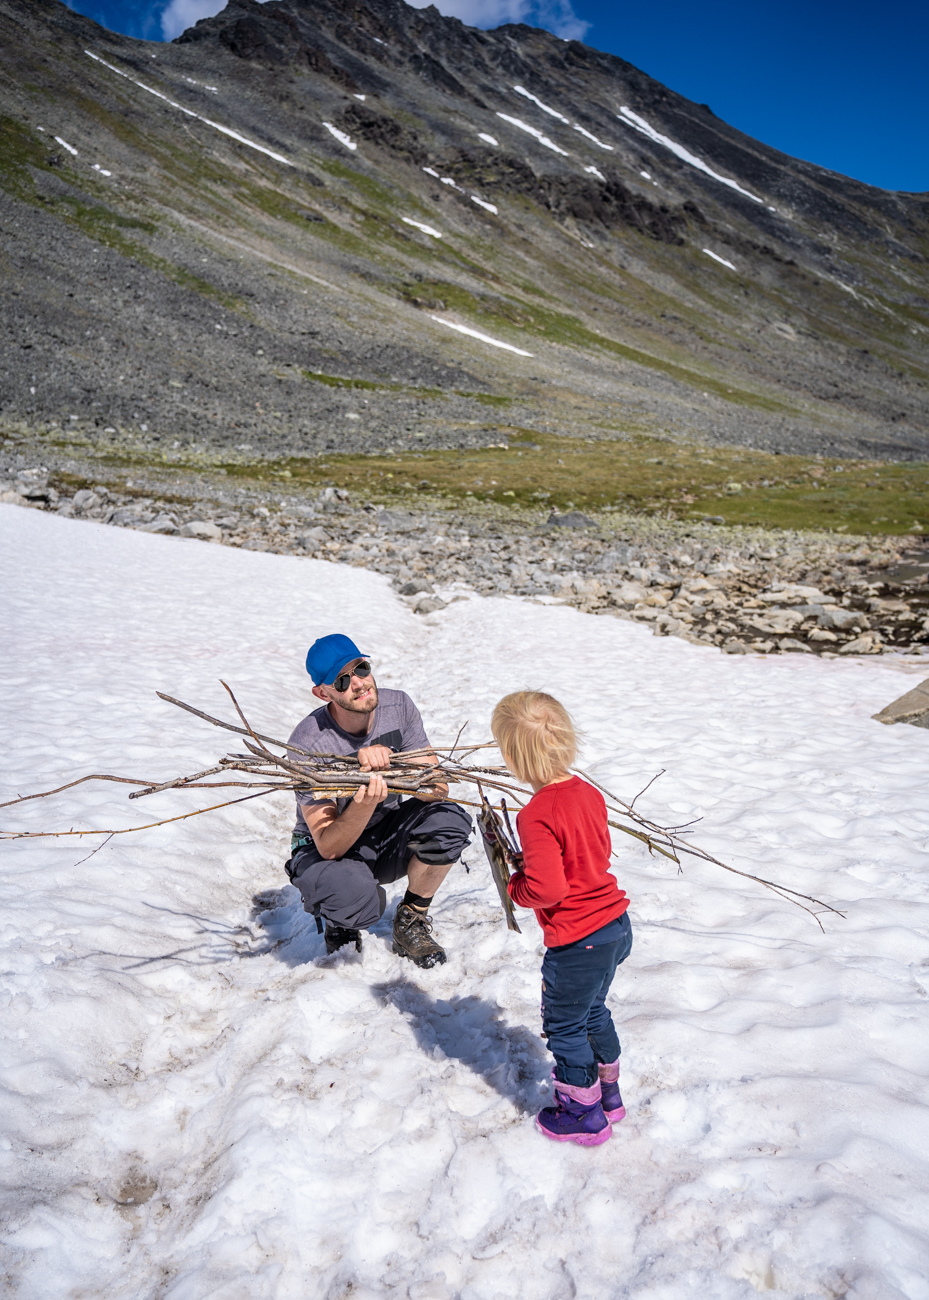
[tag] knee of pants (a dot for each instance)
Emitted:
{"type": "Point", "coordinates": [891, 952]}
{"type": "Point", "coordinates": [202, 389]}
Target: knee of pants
{"type": "Point", "coordinates": [443, 836]}
{"type": "Point", "coordinates": [345, 892]}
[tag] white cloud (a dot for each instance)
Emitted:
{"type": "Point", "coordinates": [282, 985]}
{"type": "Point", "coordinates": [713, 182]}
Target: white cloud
{"type": "Point", "coordinates": [181, 14]}
{"type": "Point", "coordinates": [556, 16]}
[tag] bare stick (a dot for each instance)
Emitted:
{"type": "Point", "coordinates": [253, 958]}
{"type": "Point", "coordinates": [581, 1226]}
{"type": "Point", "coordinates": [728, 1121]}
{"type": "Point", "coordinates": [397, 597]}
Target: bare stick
{"type": "Point", "coordinates": [97, 776]}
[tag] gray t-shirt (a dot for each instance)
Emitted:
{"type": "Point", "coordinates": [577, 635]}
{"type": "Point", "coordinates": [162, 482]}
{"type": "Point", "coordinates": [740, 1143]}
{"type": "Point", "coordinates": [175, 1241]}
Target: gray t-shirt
{"type": "Point", "coordinates": [395, 723]}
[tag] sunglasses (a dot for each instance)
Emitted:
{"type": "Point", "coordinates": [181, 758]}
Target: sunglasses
{"type": "Point", "coordinates": [344, 680]}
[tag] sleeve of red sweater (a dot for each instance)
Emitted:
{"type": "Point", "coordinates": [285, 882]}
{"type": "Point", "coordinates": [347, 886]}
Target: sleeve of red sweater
{"type": "Point", "coordinates": [542, 881]}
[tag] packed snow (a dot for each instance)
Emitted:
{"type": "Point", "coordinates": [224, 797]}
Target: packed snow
{"type": "Point", "coordinates": [421, 225]}
{"type": "Point", "coordinates": [646, 175]}
{"type": "Point", "coordinates": [552, 112]}
{"type": "Point", "coordinates": [431, 172]}
{"type": "Point", "coordinates": [716, 258]}
{"type": "Point", "coordinates": [530, 130]}
{"type": "Point", "coordinates": [640, 124]}
{"type": "Point", "coordinates": [593, 137]}
{"type": "Point", "coordinates": [482, 203]}
{"type": "Point", "coordinates": [197, 1102]}
{"type": "Point", "coordinates": [484, 338]}
{"type": "Point", "coordinates": [225, 130]}
{"type": "Point", "coordinates": [102, 170]}
{"type": "Point", "coordinates": [488, 139]}
{"type": "Point", "coordinates": [341, 136]}
{"type": "Point", "coordinates": [64, 144]}
{"type": "Point", "coordinates": [595, 172]}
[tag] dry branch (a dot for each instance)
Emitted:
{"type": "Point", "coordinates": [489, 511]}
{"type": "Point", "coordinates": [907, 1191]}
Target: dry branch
{"type": "Point", "coordinates": [424, 771]}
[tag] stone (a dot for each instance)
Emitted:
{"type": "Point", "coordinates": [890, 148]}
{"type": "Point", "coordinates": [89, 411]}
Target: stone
{"type": "Point", "coordinates": [428, 605]}
{"type": "Point", "coordinates": [415, 586]}
{"type": "Point", "coordinates": [788, 645]}
{"type": "Point", "coordinates": [868, 644]}
{"type": "Point", "coordinates": [124, 518]}
{"type": "Point", "coordinates": [843, 620]}
{"type": "Point", "coordinates": [734, 647]}
{"type": "Point", "coordinates": [85, 499]}
{"type": "Point", "coordinates": [161, 524]}
{"type": "Point", "coordinates": [253, 544]}
{"type": "Point", "coordinates": [628, 593]}
{"type": "Point", "coordinates": [202, 529]}
{"type": "Point", "coordinates": [573, 519]}
{"type": "Point", "coordinates": [913, 707]}
{"type": "Point", "coordinates": [312, 538]}
{"type": "Point", "coordinates": [822, 634]}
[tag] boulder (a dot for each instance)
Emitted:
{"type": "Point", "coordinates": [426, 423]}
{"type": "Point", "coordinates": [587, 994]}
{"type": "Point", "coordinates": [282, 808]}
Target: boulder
{"type": "Point", "coordinates": [415, 586]}
{"type": "Point", "coordinates": [913, 707]}
{"type": "Point", "coordinates": [161, 524]}
{"type": "Point", "coordinates": [202, 529]}
{"type": "Point", "coordinates": [573, 519]}
{"type": "Point", "coordinates": [869, 644]}
{"type": "Point", "coordinates": [843, 620]}
{"type": "Point", "coordinates": [428, 605]}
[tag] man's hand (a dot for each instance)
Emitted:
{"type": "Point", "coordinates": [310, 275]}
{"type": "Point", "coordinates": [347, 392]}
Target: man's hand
{"type": "Point", "coordinates": [375, 758]}
{"type": "Point", "coordinates": [375, 792]}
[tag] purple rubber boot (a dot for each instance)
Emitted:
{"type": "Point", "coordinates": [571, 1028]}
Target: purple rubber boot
{"type": "Point", "coordinates": [577, 1116]}
{"type": "Point", "coordinates": [611, 1101]}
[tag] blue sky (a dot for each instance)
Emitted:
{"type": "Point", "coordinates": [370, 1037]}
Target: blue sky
{"type": "Point", "coordinates": [843, 84]}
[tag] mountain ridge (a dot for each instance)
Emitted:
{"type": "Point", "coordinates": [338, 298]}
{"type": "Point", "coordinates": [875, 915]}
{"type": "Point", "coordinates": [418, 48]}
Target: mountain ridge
{"type": "Point", "coordinates": [667, 273]}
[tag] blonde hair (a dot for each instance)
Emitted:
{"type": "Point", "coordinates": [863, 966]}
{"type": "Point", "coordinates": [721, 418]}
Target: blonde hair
{"type": "Point", "coordinates": [535, 735]}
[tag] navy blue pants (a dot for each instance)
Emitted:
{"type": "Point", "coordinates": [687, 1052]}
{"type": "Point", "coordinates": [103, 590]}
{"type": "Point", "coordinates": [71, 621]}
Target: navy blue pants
{"type": "Point", "coordinates": [575, 981]}
{"type": "Point", "coordinates": [349, 891]}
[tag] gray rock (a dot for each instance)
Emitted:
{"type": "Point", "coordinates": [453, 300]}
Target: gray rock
{"type": "Point", "coordinates": [573, 519]}
{"type": "Point", "coordinates": [788, 645]}
{"type": "Point", "coordinates": [160, 524]}
{"type": "Point", "coordinates": [202, 529]}
{"type": "Point", "coordinates": [313, 538]}
{"type": "Point", "coordinates": [734, 647]}
{"type": "Point", "coordinates": [126, 517]}
{"type": "Point", "coordinates": [85, 499]}
{"type": "Point", "coordinates": [415, 586]}
{"type": "Point", "coordinates": [429, 605]}
{"type": "Point", "coordinates": [395, 521]}
{"type": "Point", "coordinates": [913, 707]}
{"type": "Point", "coordinates": [843, 620]}
{"type": "Point", "coordinates": [255, 545]}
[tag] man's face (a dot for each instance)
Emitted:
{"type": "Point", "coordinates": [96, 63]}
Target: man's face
{"type": "Point", "coordinates": [360, 696]}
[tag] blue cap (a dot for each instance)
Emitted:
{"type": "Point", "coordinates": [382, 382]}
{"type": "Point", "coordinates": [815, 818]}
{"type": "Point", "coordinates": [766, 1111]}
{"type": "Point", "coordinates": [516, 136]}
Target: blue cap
{"type": "Point", "coordinates": [326, 657]}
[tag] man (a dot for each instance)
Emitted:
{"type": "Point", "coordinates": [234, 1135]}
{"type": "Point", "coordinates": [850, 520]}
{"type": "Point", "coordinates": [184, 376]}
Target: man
{"type": "Point", "coordinates": [346, 850]}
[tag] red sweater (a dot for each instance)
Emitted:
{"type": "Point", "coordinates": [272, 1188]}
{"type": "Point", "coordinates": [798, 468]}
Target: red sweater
{"type": "Point", "coordinates": [566, 854]}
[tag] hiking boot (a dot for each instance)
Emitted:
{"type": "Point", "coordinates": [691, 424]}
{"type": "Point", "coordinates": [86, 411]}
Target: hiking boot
{"type": "Point", "coordinates": [413, 938]}
{"type": "Point", "coordinates": [338, 936]}
{"type": "Point", "coordinates": [610, 1099]}
{"type": "Point", "coordinates": [577, 1116]}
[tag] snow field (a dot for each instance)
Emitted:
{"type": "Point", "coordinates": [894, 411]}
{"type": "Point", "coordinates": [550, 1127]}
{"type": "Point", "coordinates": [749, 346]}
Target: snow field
{"type": "Point", "coordinates": [197, 1102]}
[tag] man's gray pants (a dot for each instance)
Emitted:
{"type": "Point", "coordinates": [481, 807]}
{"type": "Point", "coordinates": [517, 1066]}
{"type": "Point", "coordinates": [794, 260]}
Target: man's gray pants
{"type": "Point", "coordinates": [349, 891]}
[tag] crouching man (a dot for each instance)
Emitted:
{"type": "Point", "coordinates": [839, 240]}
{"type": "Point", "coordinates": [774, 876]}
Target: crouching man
{"type": "Point", "coordinates": [346, 850]}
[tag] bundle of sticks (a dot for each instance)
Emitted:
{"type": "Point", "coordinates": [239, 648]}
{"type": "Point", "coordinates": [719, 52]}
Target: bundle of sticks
{"type": "Point", "coordinates": [430, 770]}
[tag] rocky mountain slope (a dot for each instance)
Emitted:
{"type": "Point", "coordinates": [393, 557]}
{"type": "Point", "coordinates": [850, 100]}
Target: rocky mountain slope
{"type": "Point", "coordinates": [267, 237]}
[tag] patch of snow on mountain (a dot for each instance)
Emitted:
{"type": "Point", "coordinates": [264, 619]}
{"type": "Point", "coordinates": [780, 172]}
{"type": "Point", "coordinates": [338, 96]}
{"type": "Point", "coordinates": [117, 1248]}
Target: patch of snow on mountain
{"type": "Point", "coordinates": [542, 139]}
{"type": "Point", "coordinates": [427, 230]}
{"type": "Point", "coordinates": [198, 1102]}
{"type": "Point", "coordinates": [188, 112]}
{"type": "Point", "coordinates": [430, 172]}
{"type": "Point", "coordinates": [593, 137]}
{"type": "Point", "coordinates": [450, 180]}
{"type": "Point", "coordinates": [640, 124]}
{"type": "Point", "coordinates": [64, 144]}
{"type": "Point", "coordinates": [716, 258]}
{"type": "Point", "coordinates": [594, 172]}
{"type": "Point", "coordinates": [482, 203]}
{"type": "Point", "coordinates": [484, 338]}
{"type": "Point", "coordinates": [552, 112]}
{"type": "Point", "coordinates": [341, 136]}
{"type": "Point", "coordinates": [646, 175]}
{"type": "Point", "coordinates": [488, 139]}
{"type": "Point", "coordinates": [102, 170]}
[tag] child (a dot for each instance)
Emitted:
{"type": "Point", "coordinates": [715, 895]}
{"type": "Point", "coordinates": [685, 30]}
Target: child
{"type": "Point", "coordinates": [582, 911]}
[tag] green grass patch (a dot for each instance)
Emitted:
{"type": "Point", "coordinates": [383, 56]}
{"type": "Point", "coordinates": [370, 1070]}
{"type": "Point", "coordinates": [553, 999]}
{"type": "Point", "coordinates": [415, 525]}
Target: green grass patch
{"type": "Point", "coordinates": [641, 474]}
